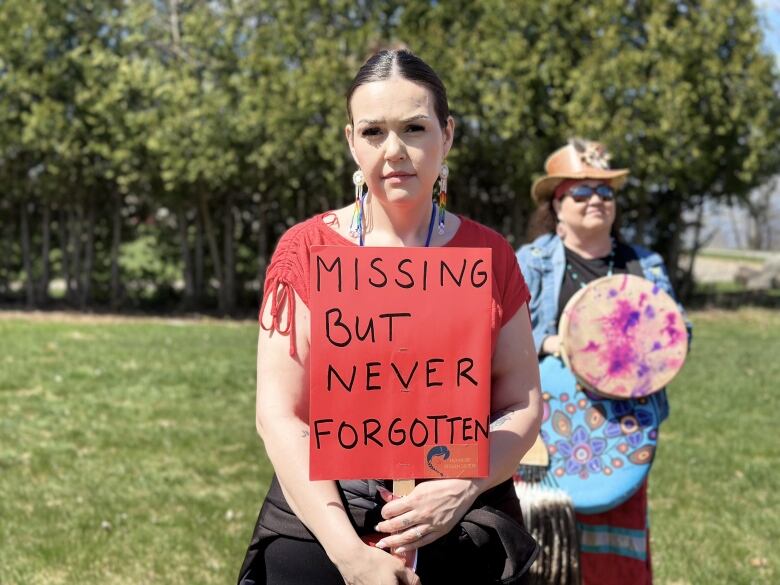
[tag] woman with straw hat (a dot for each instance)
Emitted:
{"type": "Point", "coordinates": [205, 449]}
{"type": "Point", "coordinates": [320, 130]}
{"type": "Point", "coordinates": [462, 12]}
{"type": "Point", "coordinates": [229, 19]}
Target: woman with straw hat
{"type": "Point", "coordinates": [574, 240]}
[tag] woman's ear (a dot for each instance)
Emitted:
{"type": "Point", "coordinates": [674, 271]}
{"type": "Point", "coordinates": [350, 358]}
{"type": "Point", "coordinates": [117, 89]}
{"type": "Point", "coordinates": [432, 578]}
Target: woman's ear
{"type": "Point", "coordinates": [349, 133]}
{"type": "Point", "coordinates": [560, 228]}
{"type": "Point", "coordinates": [449, 135]}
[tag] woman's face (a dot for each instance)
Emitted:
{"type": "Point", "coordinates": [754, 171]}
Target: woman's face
{"type": "Point", "coordinates": [396, 139]}
{"type": "Point", "coordinates": [593, 216]}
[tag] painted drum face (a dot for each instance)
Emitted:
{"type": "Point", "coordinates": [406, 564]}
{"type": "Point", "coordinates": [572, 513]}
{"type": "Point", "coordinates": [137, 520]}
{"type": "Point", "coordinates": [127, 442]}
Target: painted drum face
{"type": "Point", "coordinates": [600, 449]}
{"type": "Point", "coordinates": [623, 337]}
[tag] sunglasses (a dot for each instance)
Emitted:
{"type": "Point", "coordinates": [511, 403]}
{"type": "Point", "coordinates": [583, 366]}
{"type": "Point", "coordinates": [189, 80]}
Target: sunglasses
{"type": "Point", "coordinates": [582, 193]}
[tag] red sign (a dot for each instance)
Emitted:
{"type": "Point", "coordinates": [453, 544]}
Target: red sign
{"type": "Point", "coordinates": [400, 362]}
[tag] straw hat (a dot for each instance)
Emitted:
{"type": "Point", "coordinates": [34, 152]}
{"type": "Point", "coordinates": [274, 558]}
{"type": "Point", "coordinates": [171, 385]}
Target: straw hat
{"type": "Point", "coordinates": [579, 159]}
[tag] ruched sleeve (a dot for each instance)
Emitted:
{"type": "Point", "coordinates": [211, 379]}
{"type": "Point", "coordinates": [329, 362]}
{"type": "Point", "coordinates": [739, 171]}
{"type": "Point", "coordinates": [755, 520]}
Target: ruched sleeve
{"type": "Point", "coordinates": [287, 274]}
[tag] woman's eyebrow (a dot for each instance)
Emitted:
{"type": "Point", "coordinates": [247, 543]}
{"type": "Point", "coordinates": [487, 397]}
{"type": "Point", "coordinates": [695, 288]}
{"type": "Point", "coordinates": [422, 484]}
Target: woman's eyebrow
{"type": "Point", "coordinates": [413, 118]}
{"type": "Point", "coordinates": [404, 121]}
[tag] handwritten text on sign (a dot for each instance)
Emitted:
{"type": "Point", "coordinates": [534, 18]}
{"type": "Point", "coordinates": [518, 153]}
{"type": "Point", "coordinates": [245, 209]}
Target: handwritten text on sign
{"type": "Point", "coordinates": [400, 362]}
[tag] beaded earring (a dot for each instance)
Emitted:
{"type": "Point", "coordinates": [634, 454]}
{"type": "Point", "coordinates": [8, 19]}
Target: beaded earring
{"type": "Point", "coordinates": [357, 225]}
{"type": "Point", "coordinates": [443, 174]}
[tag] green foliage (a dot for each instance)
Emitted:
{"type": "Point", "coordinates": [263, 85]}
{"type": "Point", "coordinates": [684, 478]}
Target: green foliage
{"type": "Point", "coordinates": [221, 109]}
{"type": "Point", "coordinates": [686, 97]}
{"type": "Point", "coordinates": [145, 266]}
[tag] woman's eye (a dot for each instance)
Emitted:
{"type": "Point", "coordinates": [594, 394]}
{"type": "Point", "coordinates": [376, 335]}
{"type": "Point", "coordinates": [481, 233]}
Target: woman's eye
{"type": "Point", "coordinates": [371, 131]}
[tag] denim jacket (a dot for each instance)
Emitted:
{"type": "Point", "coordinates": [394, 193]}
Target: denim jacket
{"type": "Point", "coordinates": [543, 262]}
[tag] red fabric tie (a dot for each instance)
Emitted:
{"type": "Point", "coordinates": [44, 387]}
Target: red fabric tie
{"type": "Point", "coordinates": [282, 292]}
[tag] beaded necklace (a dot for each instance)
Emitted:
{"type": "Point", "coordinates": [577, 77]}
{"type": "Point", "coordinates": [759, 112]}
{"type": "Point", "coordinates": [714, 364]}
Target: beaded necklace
{"type": "Point", "coordinates": [610, 265]}
{"type": "Point", "coordinates": [430, 230]}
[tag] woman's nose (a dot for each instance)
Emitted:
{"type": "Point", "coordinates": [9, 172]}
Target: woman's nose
{"type": "Point", "coordinates": [394, 147]}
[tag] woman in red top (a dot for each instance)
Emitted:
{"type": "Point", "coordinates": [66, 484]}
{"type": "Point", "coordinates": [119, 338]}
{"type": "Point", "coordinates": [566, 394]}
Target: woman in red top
{"type": "Point", "coordinates": [399, 134]}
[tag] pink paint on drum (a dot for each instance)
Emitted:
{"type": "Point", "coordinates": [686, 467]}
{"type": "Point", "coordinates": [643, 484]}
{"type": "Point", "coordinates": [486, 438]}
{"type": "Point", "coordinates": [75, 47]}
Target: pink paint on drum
{"type": "Point", "coordinates": [623, 337]}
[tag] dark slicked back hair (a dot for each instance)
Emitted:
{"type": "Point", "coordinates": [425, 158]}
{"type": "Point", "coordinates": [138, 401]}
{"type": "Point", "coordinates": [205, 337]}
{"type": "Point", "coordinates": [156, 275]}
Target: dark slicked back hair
{"type": "Point", "coordinates": [409, 66]}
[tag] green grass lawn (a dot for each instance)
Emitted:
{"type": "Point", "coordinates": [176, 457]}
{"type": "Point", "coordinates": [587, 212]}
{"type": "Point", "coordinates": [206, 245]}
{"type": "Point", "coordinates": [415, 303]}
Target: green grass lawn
{"type": "Point", "coordinates": [715, 486]}
{"type": "Point", "coordinates": [128, 453]}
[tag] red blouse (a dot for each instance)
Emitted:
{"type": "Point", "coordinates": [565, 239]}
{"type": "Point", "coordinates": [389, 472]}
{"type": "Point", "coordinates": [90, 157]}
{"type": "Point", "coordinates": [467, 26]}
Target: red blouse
{"type": "Point", "coordinates": [289, 271]}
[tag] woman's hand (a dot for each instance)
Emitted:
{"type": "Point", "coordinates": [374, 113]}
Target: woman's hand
{"type": "Point", "coordinates": [552, 345]}
{"type": "Point", "coordinates": [429, 512]}
{"type": "Point", "coordinates": [373, 566]}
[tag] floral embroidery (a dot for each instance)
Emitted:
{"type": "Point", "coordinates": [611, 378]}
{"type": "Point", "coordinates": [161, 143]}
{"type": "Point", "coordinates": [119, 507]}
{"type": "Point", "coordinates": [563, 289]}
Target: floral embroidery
{"type": "Point", "coordinates": [582, 454]}
{"type": "Point", "coordinates": [615, 434]}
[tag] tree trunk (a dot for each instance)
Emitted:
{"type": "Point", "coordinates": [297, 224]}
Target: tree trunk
{"type": "Point", "coordinates": [735, 228]}
{"type": "Point", "coordinates": [262, 244]}
{"type": "Point", "coordinates": [229, 284]}
{"type": "Point", "coordinates": [519, 224]}
{"type": "Point", "coordinates": [76, 224]}
{"type": "Point", "coordinates": [62, 224]}
{"type": "Point", "coordinates": [687, 281]}
{"type": "Point", "coordinates": [43, 284]}
{"type": "Point", "coordinates": [199, 292]}
{"type": "Point", "coordinates": [89, 256]}
{"type": "Point", "coordinates": [211, 238]}
{"type": "Point", "coordinates": [173, 13]}
{"type": "Point", "coordinates": [186, 257]}
{"type": "Point", "coordinates": [7, 254]}
{"type": "Point", "coordinates": [24, 224]}
{"type": "Point", "coordinates": [640, 226]}
{"type": "Point", "coordinates": [116, 242]}
{"type": "Point", "coordinates": [754, 213]}
{"type": "Point", "coordinates": [672, 255]}
{"type": "Point", "coordinates": [301, 206]}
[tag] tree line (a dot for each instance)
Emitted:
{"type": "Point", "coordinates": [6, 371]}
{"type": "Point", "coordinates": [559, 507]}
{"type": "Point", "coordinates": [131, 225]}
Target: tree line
{"type": "Point", "coordinates": [153, 151]}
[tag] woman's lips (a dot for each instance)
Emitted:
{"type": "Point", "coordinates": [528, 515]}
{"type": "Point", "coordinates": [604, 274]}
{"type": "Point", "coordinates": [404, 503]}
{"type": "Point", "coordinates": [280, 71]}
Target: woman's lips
{"type": "Point", "coordinates": [398, 177]}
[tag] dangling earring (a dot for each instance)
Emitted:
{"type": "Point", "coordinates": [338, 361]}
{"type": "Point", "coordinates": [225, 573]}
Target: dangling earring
{"type": "Point", "coordinates": [356, 226]}
{"type": "Point", "coordinates": [443, 174]}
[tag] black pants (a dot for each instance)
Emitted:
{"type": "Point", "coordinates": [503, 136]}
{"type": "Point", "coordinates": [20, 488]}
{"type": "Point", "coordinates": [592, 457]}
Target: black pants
{"type": "Point", "coordinates": [488, 545]}
{"type": "Point", "coordinates": [289, 561]}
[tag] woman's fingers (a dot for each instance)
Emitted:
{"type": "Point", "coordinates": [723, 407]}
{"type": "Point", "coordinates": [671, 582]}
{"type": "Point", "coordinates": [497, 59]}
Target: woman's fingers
{"type": "Point", "coordinates": [397, 507]}
{"type": "Point", "coordinates": [415, 537]}
{"type": "Point", "coordinates": [417, 543]}
{"type": "Point", "coordinates": [385, 494]}
{"type": "Point", "coordinates": [398, 523]}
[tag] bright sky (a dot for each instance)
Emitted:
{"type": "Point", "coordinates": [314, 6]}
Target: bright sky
{"type": "Point", "coordinates": [770, 13]}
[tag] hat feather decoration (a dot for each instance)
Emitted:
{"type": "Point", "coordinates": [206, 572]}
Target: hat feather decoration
{"type": "Point", "coordinates": [593, 154]}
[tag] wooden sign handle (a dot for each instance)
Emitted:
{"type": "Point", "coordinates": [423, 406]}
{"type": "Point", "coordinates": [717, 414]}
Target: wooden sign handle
{"type": "Point", "coordinates": [403, 487]}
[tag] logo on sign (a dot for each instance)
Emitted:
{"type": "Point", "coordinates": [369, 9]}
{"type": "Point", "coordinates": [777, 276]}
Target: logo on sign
{"type": "Point", "coordinates": [451, 460]}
